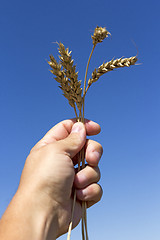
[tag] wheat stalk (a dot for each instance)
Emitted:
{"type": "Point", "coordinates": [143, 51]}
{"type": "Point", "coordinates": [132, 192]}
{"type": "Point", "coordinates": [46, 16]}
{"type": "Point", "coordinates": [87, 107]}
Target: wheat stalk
{"type": "Point", "coordinates": [99, 35]}
{"type": "Point", "coordinates": [66, 75]}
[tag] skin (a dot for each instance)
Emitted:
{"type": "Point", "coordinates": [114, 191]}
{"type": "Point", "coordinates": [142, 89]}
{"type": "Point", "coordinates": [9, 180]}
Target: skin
{"type": "Point", "coordinates": [41, 207]}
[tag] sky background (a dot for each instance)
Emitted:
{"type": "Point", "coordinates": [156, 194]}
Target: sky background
{"type": "Point", "coordinates": [125, 102]}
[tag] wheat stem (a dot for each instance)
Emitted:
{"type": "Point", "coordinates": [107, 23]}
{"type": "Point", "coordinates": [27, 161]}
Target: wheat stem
{"type": "Point", "coordinates": [87, 89]}
{"type": "Point", "coordinates": [80, 116]}
{"type": "Point", "coordinates": [75, 112]}
{"type": "Point", "coordinates": [84, 204]}
{"type": "Point", "coordinates": [72, 216]}
{"type": "Point", "coordinates": [84, 221]}
{"type": "Point", "coordinates": [83, 235]}
{"type": "Point", "coordinates": [74, 197]}
{"type": "Point", "coordinates": [85, 79]}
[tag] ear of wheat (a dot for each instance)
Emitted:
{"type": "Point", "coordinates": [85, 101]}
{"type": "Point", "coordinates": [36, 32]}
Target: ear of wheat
{"type": "Point", "coordinates": [67, 77]}
{"type": "Point", "coordinates": [109, 66]}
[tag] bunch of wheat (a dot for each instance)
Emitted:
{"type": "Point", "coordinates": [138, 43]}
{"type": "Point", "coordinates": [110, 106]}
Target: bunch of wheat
{"type": "Point", "coordinates": [66, 75]}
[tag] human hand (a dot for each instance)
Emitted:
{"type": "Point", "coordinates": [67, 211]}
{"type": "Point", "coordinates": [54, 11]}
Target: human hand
{"type": "Point", "coordinates": [49, 175]}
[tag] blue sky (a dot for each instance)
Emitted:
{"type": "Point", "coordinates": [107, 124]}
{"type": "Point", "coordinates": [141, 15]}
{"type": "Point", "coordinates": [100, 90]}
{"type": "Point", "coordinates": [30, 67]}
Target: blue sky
{"type": "Point", "coordinates": [125, 102]}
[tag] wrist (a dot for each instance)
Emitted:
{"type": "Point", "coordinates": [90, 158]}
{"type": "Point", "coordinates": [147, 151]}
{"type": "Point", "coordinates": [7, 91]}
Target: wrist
{"type": "Point", "coordinates": [44, 213]}
{"type": "Point", "coordinates": [33, 217]}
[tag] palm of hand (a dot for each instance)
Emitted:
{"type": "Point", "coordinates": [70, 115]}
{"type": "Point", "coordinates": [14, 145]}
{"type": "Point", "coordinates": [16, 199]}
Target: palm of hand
{"type": "Point", "coordinates": [50, 166]}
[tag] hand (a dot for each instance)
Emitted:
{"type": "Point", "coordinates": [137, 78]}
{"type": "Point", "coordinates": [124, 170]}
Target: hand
{"type": "Point", "coordinates": [49, 175]}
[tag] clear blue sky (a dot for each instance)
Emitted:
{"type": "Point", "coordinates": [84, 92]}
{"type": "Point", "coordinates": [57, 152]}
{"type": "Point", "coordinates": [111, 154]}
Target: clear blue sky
{"type": "Point", "coordinates": [125, 102]}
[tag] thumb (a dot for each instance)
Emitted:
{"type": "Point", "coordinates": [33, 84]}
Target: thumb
{"type": "Point", "coordinates": [75, 140]}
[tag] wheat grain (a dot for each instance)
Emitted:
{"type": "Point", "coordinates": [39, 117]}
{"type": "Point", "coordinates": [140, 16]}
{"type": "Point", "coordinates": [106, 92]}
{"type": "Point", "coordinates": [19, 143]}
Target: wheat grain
{"type": "Point", "coordinates": [62, 79]}
{"type": "Point", "coordinates": [99, 35]}
{"type": "Point", "coordinates": [109, 66]}
{"type": "Point", "coordinates": [70, 72]}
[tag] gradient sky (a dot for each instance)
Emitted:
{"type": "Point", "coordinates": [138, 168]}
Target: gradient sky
{"type": "Point", "coordinates": [125, 102]}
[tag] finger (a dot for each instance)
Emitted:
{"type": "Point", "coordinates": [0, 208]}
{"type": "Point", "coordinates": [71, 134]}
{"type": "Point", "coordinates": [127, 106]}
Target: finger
{"type": "Point", "coordinates": [92, 193]}
{"type": "Point", "coordinates": [91, 203]}
{"type": "Point", "coordinates": [72, 144]}
{"type": "Point", "coordinates": [86, 176]}
{"type": "Point", "coordinates": [63, 129]}
{"type": "Point", "coordinates": [93, 153]}
{"type": "Point", "coordinates": [92, 128]}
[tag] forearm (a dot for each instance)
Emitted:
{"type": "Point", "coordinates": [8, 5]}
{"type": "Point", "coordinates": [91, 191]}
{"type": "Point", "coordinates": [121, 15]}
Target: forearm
{"type": "Point", "coordinates": [24, 219]}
